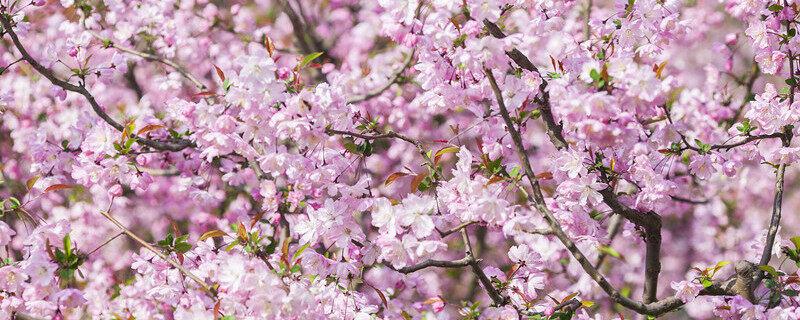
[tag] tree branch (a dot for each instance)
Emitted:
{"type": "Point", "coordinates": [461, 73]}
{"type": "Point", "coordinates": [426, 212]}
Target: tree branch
{"type": "Point", "coordinates": [170, 145]}
{"type": "Point", "coordinates": [155, 58]}
{"type": "Point", "coordinates": [554, 129]}
{"type": "Point", "coordinates": [460, 263]}
{"type": "Point", "coordinates": [158, 253]}
{"type": "Point", "coordinates": [392, 80]}
{"type": "Point", "coordinates": [653, 308]}
{"type": "Point", "coordinates": [476, 268]}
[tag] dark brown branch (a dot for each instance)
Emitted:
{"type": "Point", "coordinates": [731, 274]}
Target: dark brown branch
{"type": "Point", "coordinates": [748, 92]}
{"type": "Point", "coordinates": [169, 145]}
{"type": "Point", "coordinates": [387, 135]}
{"type": "Point", "coordinates": [456, 228]}
{"type": "Point", "coordinates": [651, 223]}
{"type": "Point", "coordinates": [554, 129]}
{"type": "Point", "coordinates": [614, 228]}
{"type": "Point", "coordinates": [307, 39]}
{"type": "Point", "coordinates": [728, 146]}
{"type": "Point", "coordinates": [777, 203]}
{"type": "Point", "coordinates": [460, 263]}
{"type": "Point", "coordinates": [497, 298]}
{"type": "Point", "coordinates": [654, 308]}
{"type": "Point", "coordinates": [687, 200]}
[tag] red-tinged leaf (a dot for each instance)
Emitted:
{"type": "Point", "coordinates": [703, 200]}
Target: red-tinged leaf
{"type": "Point", "coordinates": [270, 46]}
{"type": "Point", "coordinates": [443, 151]}
{"type": "Point", "coordinates": [433, 300]}
{"type": "Point", "coordinates": [256, 218]}
{"type": "Point", "coordinates": [416, 181]}
{"type": "Point", "coordinates": [512, 270]}
{"type": "Point", "coordinates": [494, 179]}
{"type": "Point", "coordinates": [394, 176]}
{"type": "Point", "coordinates": [380, 294]}
{"type": "Point", "coordinates": [204, 94]}
{"type": "Point", "coordinates": [569, 297]}
{"type": "Point", "coordinates": [659, 69]}
{"type": "Point", "coordinates": [220, 74]}
{"type": "Point", "coordinates": [126, 132]}
{"type": "Point", "coordinates": [57, 187]}
{"type": "Point", "coordinates": [31, 182]}
{"type": "Point", "coordinates": [455, 129]}
{"type": "Point", "coordinates": [216, 310]}
{"type": "Point", "coordinates": [212, 234]}
{"type": "Point", "coordinates": [241, 232]}
{"type": "Point", "coordinates": [547, 175]}
{"type": "Point", "coordinates": [440, 140]}
{"type": "Point", "coordinates": [175, 229]}
{"type": "Point", "coordinates": [180, 257]}
{"type": "Point", "coordinates": [522, 294]}
{"type": "Point", "coordinates": [285, 253]}
{"type": "Point", "coordinates": [49, 249]}
{"type": "Point", "coordinates": [149, 128]}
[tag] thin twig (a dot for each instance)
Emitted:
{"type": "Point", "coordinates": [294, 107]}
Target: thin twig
{"type": "Point", "coordinates": [554, 129]}
{"type": "Point", "coordinates": [460, 263]}
{"type": "Point", "coordinates": [537, 199]}
{"type": "Point", "coordinates": [392, 80]}
{"type": "Point", "coordinates": [476, 268]}
{"type": "Point", "coordinates": [155, 58]}
{"type": "Point", "coordinates": [456, 228]}
{"type": "Point", "coordinates": [170, 145]}
{"type": "Point", "coordinates": [158, 253]}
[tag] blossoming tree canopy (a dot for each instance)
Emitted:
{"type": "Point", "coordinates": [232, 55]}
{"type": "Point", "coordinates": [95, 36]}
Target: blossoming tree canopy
{"type": "Point", "coordinates": [399, 159]}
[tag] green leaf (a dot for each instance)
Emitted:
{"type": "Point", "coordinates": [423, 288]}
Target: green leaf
{"type": "Point", "coordinates": [594, 75]}
{"type": "Point", "coordinates": [514, 173]}
{"type": "Point", "coordinates": [610, 251]}
{"type": "Point", "coordinates": [232, 245]}
{"type": "Point", "coordinates": [67, 245]}
{"type": "Point", "coordinates": [791, 81]}
{"type": "Point", "coordinates": [775, 8]}
{"type": "Point", "coordinates": [721, 265]}
{"type": "Point", "coordinates": [769, 269]}
{"type": "Point", "coordinates": [796, 241]}
{"type": "Point", "coordinates": [706, 282]}
{"type": "Point", "coordinates": [300, 251]}
{"type": "Point", "coordinates": [307, 59]}
{"type": "Point", "coordinates": [183, 247]}
{"type": "Point", "coordinates": [14, 203]}
{"type": "Point", "coordinates": [66, 274]}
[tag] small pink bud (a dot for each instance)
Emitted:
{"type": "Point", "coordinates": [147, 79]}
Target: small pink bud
{"type": "Point", "coordinates": [731, 38]}
{"type": "Point", "coordinates": [115, 190]}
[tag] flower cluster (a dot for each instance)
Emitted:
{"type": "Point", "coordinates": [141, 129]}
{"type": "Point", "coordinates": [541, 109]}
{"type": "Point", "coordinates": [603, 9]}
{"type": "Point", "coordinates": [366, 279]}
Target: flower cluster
{"type": "Point", "coordinates": [399, 159]}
